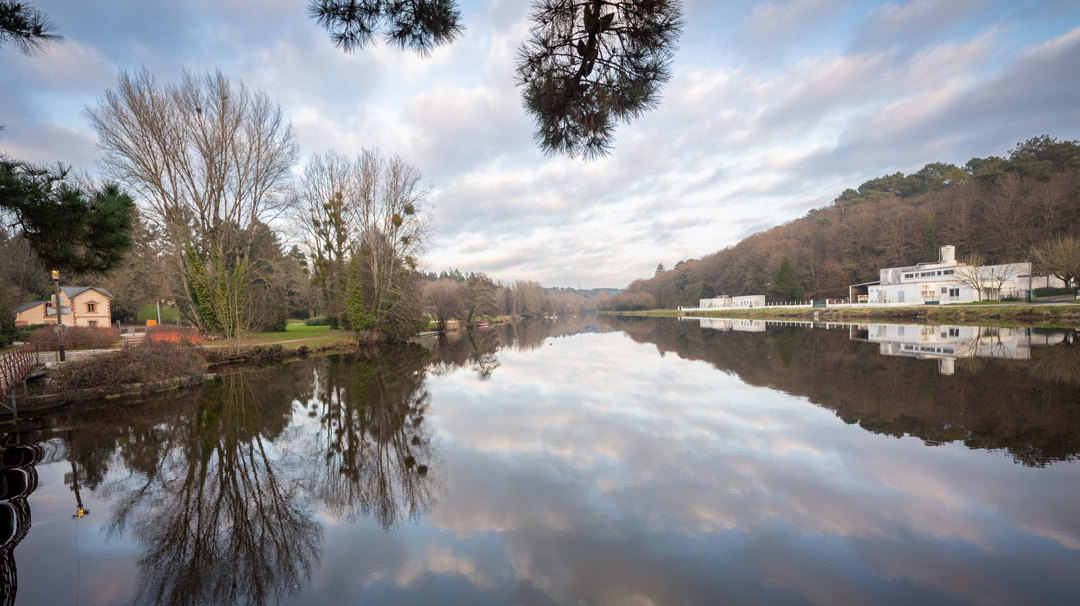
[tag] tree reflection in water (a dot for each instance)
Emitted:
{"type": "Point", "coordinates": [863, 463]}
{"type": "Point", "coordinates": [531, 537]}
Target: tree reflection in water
{"type": "Point", "coordinates": [18, 479]}
{"type": "Point", "coordinates": [476, 349]}
{"type": "Point", "coordinates": [1028, 408]}
{"type": "Point", "coordinates": [374, 456]}
{"type": "Point", "coordinates": [220, 520]}
{"type": "Point", "coordinates": [220, 484]}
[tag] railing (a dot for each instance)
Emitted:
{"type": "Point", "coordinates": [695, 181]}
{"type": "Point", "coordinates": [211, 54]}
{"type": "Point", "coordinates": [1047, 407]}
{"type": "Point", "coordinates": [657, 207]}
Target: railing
{"type": "Point", "coordinates": [14, 365]}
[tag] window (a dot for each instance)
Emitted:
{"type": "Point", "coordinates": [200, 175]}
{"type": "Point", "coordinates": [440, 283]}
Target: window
{"type": "Point", "coordinates": [91, 307]}
{"type": "Point", "coordinates": [949, 272]}
{"type": "Point", "coordinates": [954, 292]}
{"type": "Point", "coordinates": [93, 323]}
{"type": "Point", "coordinates": [954, 332]}
{"type": "Point", "coordinates": [944, 290]}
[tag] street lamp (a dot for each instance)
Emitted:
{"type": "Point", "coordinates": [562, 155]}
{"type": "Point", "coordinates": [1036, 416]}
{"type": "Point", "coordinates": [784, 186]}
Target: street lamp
{"type": "Point", "coordinates": [59, 312]}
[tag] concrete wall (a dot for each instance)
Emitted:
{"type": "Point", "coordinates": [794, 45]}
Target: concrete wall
{"type": "Point", "coordinates": [748, 301]}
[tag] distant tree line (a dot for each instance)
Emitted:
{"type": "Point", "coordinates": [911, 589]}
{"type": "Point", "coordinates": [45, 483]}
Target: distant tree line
{"type": "Point", "coordinates": [468, 297]}
{"type": "Point", "coordinates": [1002, 208]}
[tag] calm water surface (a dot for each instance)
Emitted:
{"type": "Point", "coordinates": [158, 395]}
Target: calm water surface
{"type": "Point", "coordinates": [594, 461]}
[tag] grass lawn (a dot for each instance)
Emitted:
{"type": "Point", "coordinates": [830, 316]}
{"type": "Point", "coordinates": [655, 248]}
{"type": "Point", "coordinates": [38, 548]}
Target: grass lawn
{"type": "Point", "coordinates": [980, 313]}
{"type": "Point", "coordinates": [297, 334]}
{"type": "Point", "coordinates": [169, 315]}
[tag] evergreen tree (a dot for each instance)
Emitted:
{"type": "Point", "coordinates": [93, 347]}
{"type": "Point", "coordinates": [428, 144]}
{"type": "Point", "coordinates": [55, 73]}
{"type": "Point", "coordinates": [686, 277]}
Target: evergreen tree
{"type": "Point", "coordinates": [420, 25]}
{"type": "Point", "coordinates": [25, 27]}
{"type": "Point", "coordinates": [785, 286]}
{"type": "Point", "coordinates": [68, 227]}
{"type": "Point", "coordinates": [587, 65]}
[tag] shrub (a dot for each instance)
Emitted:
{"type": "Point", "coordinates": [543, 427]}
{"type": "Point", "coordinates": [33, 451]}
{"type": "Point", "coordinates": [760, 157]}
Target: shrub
{"type": "Point", "coordinates": [78, 337]}
{"type": "Point", "coordinates": [318, 321]}
{"type": "Point", "coordinates": [173, 334]}
{"type": "Point", "coordinates": [258, 354]}
{"type": "Point", "coordinates": [1052, 292]}
{"type": "Point", "coordinates": [151, 361]}
{"type": "Point", "coordinates": [280, 324]}
{"type": "Point", "coordinates": [10, 333]}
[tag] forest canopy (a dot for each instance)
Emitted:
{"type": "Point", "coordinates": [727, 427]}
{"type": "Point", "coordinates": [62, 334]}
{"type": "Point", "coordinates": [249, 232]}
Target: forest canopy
{"type": "Point", "coordinates": [1000, 207]}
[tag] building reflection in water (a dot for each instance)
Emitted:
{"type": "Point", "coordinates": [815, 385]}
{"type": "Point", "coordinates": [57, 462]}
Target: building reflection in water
{"type": "Point", "coordinates": [948, 343]}
{"type": "Point", "coordinates": [943, 343]}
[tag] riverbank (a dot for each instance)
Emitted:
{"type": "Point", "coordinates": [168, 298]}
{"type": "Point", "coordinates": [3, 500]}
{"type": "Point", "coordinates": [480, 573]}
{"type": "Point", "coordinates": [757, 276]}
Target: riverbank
{"type": "Point", "coordinates": [133, 373]}
{"type": "Point", "coordinates": [1057, 316]}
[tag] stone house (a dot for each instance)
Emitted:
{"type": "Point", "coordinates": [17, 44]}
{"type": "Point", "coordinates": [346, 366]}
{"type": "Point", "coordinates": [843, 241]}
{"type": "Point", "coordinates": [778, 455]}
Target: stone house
{"type": "Point", "coordinates": [80, 306]}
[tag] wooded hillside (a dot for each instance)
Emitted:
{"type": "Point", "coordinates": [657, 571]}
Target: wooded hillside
{"type": "Point", "coordinates": [997, 207]}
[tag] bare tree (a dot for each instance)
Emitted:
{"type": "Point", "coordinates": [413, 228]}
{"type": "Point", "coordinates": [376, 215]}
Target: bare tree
{"type": "Point", "coordinates": [445, 299]}
{"type": "Point", "coordinates": [1060, 257]}
{"type": "Point", "coordinates": [968, 274]}
{"type": "Point", "coordinates": [325, 193]}
{"type": "Point", "coordinates": [986, 280]}
{"type": "Point", "coordinates": [208, 158]}
{"type": "Point", "coordinates": [371, 210]}
{"type": "Point", "coordinates": [392, 223]}
{"type": "Point", "coordinates": [480, 297]}
{"type": "Point", "coordinates": [998, 275]}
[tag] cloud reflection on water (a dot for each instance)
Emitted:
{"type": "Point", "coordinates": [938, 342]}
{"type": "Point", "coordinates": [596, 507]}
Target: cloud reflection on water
{"type": "Point", "coordinates": [671, 448]}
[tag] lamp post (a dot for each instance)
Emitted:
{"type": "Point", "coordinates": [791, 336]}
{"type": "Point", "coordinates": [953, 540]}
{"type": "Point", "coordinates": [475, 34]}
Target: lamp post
{"type": "Point", "coordinates": [59, 311]}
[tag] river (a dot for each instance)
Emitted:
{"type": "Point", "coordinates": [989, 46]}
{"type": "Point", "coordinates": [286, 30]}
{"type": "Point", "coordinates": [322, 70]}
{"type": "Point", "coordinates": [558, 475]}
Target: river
{"type": "Point", "coordinates": [585, 461]}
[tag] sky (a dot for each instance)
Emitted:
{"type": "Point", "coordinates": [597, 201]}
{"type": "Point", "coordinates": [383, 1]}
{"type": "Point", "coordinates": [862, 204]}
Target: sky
{"type": "Point", "coordinates": [773, 109]}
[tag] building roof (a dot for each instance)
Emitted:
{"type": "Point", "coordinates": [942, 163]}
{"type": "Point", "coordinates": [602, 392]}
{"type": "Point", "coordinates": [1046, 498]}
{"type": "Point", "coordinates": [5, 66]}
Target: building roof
{"type": "Point", "coordinates": [30, 305]}
{"type": "Point", "coordinates": [74, 291]}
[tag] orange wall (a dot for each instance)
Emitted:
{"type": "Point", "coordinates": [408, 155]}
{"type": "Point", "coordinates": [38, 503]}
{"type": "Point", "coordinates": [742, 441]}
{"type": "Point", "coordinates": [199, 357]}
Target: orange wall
{"type": "Point", "coordinates": [80, 316]}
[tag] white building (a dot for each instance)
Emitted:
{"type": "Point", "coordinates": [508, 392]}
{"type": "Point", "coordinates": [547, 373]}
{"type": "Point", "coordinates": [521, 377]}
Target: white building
{"type": "Point", "coordinates": [945, 281]}
{"type": "Point", "coordinates": [726, 302]}
{"type": "Point", "coordinates": [948, 343]}
{"type": "Point", "coordinates": [728, 325]}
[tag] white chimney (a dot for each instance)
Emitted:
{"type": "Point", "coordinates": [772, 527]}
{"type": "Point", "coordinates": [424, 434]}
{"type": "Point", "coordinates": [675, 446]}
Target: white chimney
{"type": "Point", "coordinates": [947, 366]}
{"type": "Point", "coordinates": [948, 254]}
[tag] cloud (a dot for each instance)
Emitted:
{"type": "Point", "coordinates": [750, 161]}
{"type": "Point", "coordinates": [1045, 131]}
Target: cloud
{"type": "Point", "coordinates": [913, 23]}
{"type": "Point", "coordinates": [683, 459]}
{"type": "Point", "coordinates": [773, 109]}
{"type": "Point", "coordinates": [774, 23]}
{"type": "Point", "coordinates": [957, 120]}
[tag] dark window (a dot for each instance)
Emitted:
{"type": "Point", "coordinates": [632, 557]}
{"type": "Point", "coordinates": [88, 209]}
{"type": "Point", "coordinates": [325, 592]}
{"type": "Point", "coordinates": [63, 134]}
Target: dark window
{"type": "Point", "coordinates": [91, 307]}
